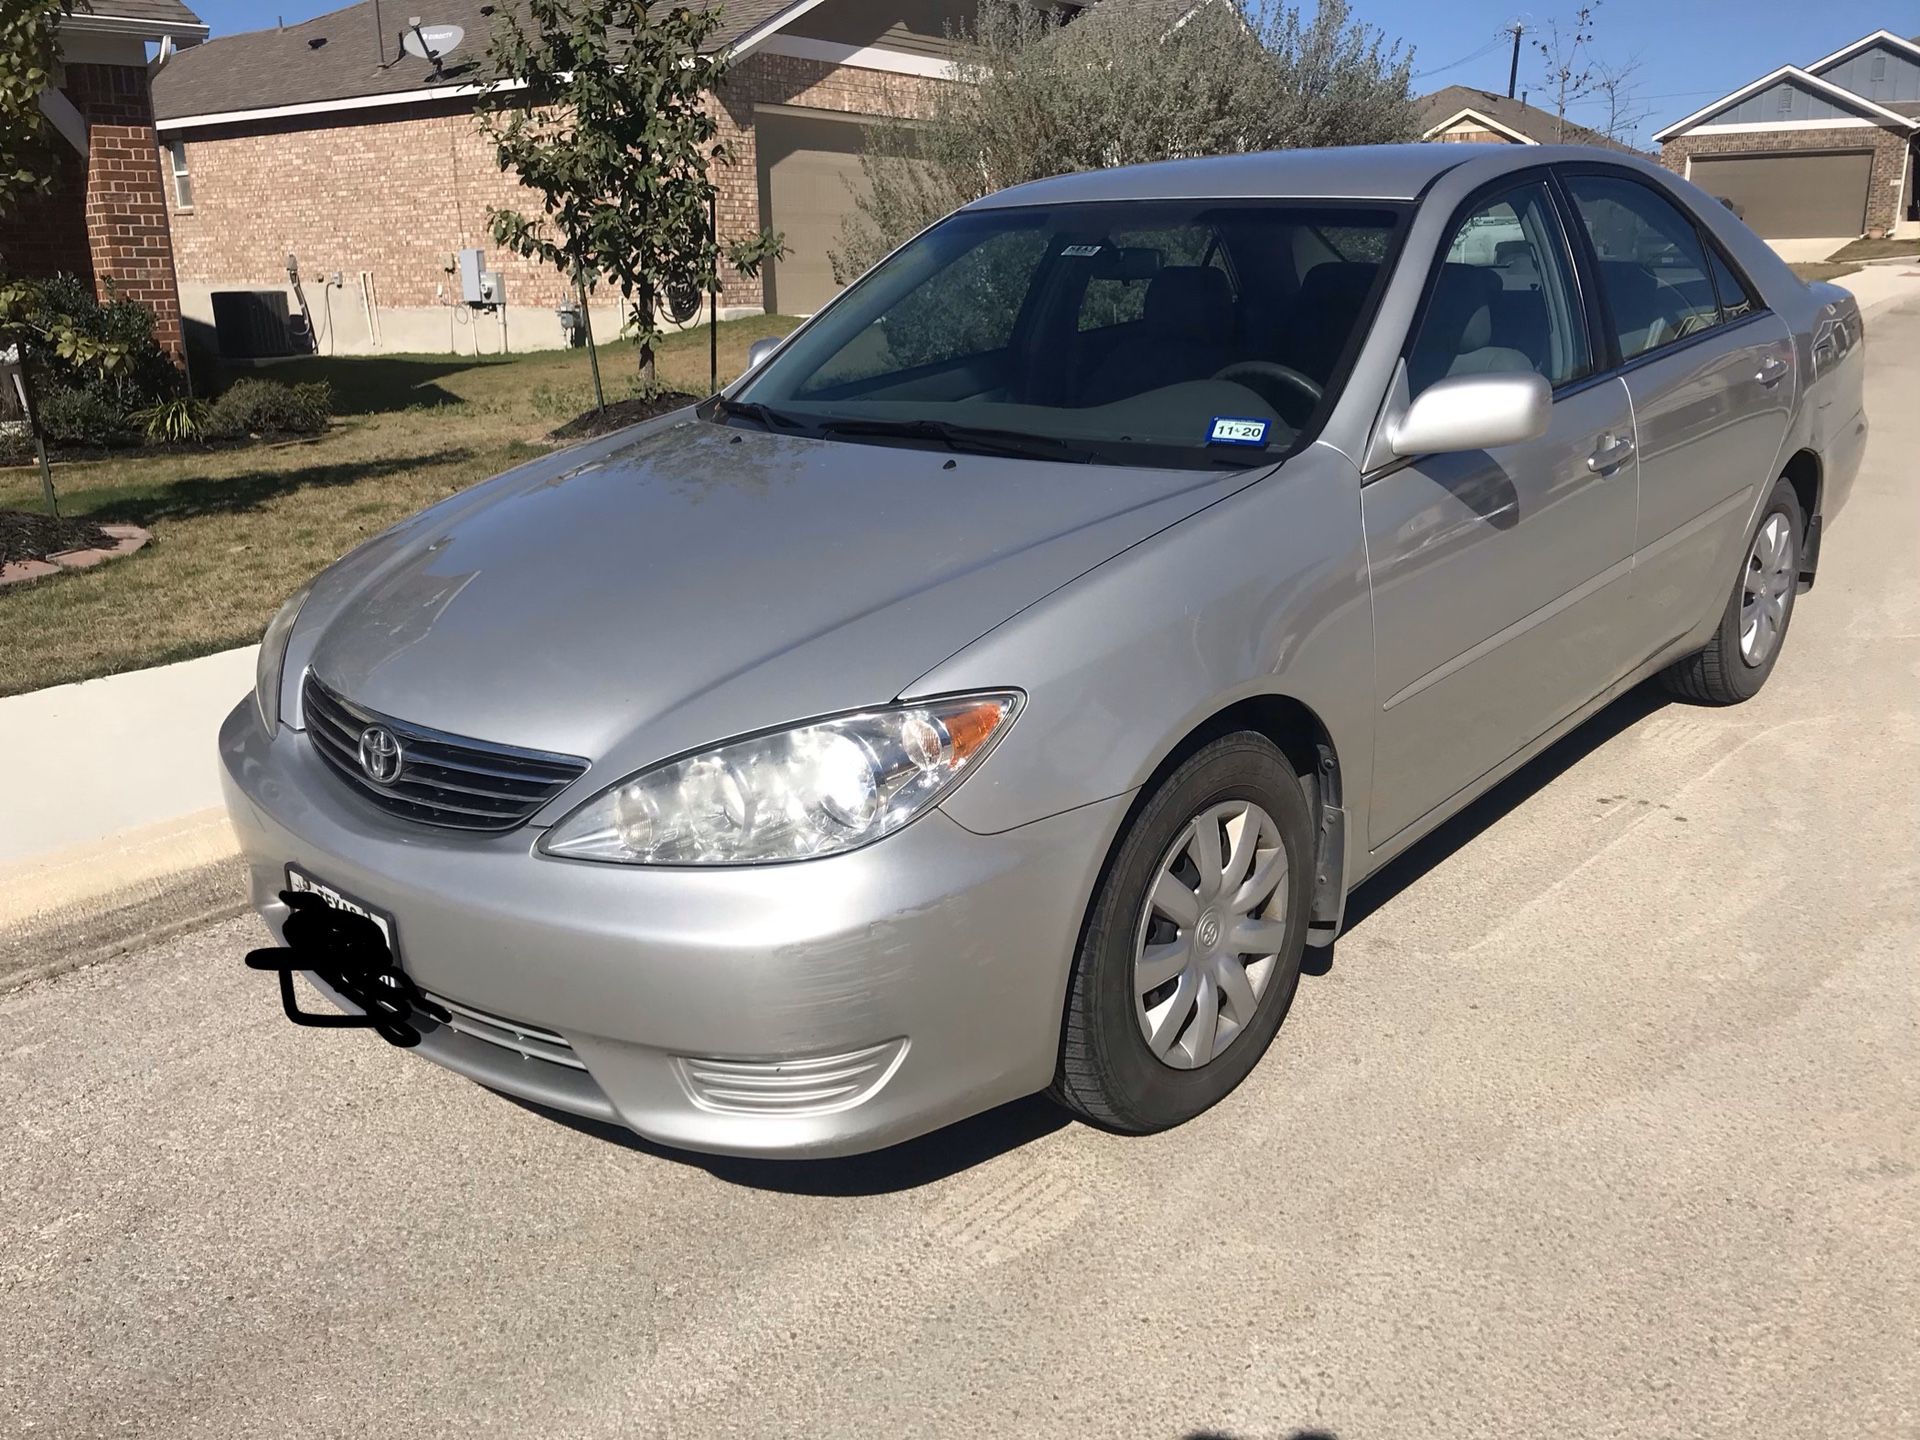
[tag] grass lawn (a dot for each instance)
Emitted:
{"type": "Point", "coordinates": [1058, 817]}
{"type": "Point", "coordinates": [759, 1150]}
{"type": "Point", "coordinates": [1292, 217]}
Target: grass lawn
{"type": "Point", "coordinates": [235, 531]}
{"type": "Point", "coordinates": [1822, 269]}
{"type": "Point", "coordinates": [1876, 250]}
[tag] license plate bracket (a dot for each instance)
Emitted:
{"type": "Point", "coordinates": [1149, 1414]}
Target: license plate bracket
{"type": "Point", "coordinates": [353, 948]}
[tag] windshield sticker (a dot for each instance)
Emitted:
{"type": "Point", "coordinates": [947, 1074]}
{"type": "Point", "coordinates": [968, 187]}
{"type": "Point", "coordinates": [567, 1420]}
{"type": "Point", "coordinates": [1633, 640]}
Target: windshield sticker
{"type": "Point", "coordinates": [1232, 430]}
{"type": "Point", "coordinates": [1080, 250]}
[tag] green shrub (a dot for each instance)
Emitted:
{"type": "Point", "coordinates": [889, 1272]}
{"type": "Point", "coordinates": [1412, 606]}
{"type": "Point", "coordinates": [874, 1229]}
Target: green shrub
{"type": "Point", "coordinates": [82, 417]}
{"type": "Point", "coordinates": [172, 421]}
{"type": "Point", "coordinates": [145, 377]}
{"type": "Point", "coordinates": [266, 407]}
{"type": "Point", "coordinates": [16, 445]}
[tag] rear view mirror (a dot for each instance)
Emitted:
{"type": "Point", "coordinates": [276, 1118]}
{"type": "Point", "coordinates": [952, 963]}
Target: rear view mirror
{"type": "Point", "coordinates": [760, 350]}
{"type": "Point", "coordinates": [1474, 412]}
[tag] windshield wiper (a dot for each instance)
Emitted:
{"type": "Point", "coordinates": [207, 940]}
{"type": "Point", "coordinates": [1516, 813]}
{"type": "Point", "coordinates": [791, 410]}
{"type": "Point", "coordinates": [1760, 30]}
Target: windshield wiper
{"type": "Point", "coordinates": [761, 414]}
{"type": "Point", "coordinates": [974, 439]}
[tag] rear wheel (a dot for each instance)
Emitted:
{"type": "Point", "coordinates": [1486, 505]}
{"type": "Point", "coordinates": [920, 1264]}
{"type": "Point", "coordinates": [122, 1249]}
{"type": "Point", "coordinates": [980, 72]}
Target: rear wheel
{"type": "Point", "coordinates": [1741, 654]}
{"type": "Point", "coordinates": [1192, 949]}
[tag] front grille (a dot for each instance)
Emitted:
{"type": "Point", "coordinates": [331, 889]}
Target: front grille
{"type": "Point", "coordinates": [443, 779]}
{"type": "Point", "coordinates": [531, 1041]}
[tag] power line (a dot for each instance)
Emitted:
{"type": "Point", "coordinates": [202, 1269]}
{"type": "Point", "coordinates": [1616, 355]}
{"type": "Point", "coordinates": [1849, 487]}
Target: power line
{"type": "Point", "coordinates": [1488, 48]}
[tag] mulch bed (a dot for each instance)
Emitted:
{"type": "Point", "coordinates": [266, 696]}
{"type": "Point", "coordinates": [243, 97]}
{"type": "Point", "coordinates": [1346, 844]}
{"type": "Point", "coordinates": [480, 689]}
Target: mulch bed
{"type": "Point", "coordinates": [26, 536]}
{"type": "Point", "coordinates": [621, 414]}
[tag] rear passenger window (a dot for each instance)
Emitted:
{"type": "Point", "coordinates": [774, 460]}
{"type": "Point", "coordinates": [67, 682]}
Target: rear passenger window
{"type": "Point", "coordinates": [1504, 298]}
{"type": "Point", "coordinates": [1653, 273]}
{"type": "Point", "coordinates": [1735, 299]}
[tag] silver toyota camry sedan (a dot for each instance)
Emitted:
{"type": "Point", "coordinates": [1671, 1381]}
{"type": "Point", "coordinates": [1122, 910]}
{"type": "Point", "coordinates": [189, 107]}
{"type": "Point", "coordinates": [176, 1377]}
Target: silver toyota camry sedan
{"type": "Point", "coordinates": [1000, 685]}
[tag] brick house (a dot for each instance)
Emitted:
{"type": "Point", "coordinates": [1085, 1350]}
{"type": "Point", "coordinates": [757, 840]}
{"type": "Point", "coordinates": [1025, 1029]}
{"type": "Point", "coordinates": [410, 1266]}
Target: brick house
{"type": "Point", "coordinates": [325, 142]}
{"type": "Point", "coordinates": [1460, 114]}
{"type": "Point", "coordinates": [105, 219]}
{"type": "Point", "coordinates": [1815, 156]}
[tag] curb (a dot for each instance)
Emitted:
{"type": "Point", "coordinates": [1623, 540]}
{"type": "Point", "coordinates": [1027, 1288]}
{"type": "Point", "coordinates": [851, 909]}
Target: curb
{"type": "Point", "coordinates": [100, 928]}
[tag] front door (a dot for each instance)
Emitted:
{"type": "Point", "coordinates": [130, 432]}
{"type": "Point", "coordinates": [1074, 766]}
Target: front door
{"type": "Point", "coordinates": [1501, 578]}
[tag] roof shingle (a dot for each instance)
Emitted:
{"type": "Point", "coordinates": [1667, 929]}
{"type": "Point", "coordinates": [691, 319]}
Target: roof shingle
{"type": "Point", "coordinates": [1542, 126]}
{"type": "Point", "coordinates": [164, 12]}
{"type": "Point", "coordinates": [336, 56]}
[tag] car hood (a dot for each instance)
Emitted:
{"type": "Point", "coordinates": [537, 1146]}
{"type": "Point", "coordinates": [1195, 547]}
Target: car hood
{"type": "Point", "coordinates": [684, 582]}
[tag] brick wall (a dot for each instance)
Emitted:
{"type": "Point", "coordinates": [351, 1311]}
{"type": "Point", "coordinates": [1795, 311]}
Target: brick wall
{"type": "Point", "coordinates": [397, 190]}
{"type": "Point", "coordinates": [105, 220]}
{"type": "Point", "coordinates": [1891, 157]}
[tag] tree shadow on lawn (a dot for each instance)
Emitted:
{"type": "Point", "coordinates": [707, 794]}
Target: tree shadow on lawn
{"type": "Point", "coordinates": [376, 384]}
{"type": "Point", "coordinates": [251, 489]}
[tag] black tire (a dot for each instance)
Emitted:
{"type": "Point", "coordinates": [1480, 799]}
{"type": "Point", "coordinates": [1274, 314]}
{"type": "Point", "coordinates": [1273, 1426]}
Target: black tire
{"type": "Point", "coordinates": [1107, 1073]}
{"type": "Point", "coordinates": [1720, 674]}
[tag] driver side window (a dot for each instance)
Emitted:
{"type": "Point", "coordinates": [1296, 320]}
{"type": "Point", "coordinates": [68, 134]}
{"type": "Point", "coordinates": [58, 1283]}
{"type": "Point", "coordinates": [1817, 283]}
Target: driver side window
{"type": "Point", "coordinates": [1504, 299]}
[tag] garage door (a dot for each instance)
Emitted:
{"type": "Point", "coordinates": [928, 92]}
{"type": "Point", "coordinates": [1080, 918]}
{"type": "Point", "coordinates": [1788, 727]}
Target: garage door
{"type": "Point", "coordinates": [1786, 197]}
{"type": "Point", "coordinates": [809, 176]}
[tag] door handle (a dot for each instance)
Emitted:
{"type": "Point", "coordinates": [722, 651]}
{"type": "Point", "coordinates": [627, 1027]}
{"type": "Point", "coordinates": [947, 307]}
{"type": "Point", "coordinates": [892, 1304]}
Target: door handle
{"type": "Point", "coordinates": [1772, 370]}
{"type": "Point", "coordinates": [1612, 454]}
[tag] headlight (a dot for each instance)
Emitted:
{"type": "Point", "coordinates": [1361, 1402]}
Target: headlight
{"type": "Point", "coordinates": [273, 655]}
{"type": "Point", "coordinates": [813, 790]}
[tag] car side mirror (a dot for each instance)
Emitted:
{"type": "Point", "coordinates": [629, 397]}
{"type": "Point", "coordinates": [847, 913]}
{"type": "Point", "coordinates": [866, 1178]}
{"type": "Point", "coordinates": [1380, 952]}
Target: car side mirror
{"type": "Point", "coordinates": [760, 350]}
{"type": "Point", "coordinates": [1474, 412]}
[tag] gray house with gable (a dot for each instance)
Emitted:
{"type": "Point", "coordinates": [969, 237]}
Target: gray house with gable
{"type": "Point", "coordinates": [1815, 153]}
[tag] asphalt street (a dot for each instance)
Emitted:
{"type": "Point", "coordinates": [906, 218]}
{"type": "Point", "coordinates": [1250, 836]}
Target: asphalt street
{"type": "Point", "coordinates": [1604, 1120]}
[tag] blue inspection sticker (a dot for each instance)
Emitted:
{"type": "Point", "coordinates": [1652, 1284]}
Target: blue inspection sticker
{"type": "Point", "coordinates": [1232, 430]}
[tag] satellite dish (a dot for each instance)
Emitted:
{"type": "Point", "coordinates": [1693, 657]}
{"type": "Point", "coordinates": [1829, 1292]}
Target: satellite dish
{"type": "Point", "coordinates": [431, 42]}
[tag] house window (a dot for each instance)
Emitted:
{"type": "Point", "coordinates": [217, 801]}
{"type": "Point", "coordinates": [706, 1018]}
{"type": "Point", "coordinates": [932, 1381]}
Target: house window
{"type": "Point", "coordinates": [174, 155]}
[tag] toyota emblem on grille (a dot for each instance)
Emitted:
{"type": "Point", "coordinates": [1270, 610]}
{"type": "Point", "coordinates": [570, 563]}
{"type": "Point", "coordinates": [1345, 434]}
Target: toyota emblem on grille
{"type": "Point", "coordinates": [380, 754]}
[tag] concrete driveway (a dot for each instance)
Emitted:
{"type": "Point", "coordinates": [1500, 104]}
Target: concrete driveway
{"type": "Point", "coordinates": [1604, 1121]}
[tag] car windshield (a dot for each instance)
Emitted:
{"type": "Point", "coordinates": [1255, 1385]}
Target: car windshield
{"type": "Point", "coordinates": [1185, 333]}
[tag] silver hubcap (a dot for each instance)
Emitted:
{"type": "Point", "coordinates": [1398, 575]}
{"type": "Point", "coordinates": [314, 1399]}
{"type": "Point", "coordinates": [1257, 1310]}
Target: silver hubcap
{"type": "Point", "coordinates": [1209, 938]}
{"type": "Point", "coordinates": [1767, 589]}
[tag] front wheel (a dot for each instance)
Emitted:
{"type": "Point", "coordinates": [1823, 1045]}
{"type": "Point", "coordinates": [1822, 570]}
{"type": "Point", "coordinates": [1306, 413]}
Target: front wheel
{"type": "Point", "coordinates": [1192, 949]}
{"type": "Point", "coordinates": [1738, 659]}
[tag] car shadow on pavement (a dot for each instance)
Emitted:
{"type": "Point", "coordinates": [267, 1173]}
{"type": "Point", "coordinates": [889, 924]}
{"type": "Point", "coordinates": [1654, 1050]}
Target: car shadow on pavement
{"type": "Point", "coordinates": [906, 1166]}
{"type": "Point", "coordinates": [1455, 834]}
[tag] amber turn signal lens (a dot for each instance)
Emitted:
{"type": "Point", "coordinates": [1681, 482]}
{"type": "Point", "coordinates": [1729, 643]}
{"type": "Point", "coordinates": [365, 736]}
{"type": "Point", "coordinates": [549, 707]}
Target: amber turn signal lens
{"type": "Point", "coordinates": [974, 726]}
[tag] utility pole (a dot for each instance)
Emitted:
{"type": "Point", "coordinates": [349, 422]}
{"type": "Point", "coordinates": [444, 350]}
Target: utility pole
{"type": "Point", "coordinates": [1513, 70]}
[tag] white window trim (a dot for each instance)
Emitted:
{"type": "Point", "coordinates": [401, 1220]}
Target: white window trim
{"type": "Point", "coordinates": [1486, 121]}
{"type": "Point", "coordinates": [1878, 37]}
{"type": "Point", "coordinates": [1758, 126]}
{"type": "Point", "coordinates": [328, 107]}
{"type": "Point", "coordinates": [864, 57]}
{"type": "Point", "coordinates": [177, 170]}
{"type": "Point", "coordinates": [1825, 88]}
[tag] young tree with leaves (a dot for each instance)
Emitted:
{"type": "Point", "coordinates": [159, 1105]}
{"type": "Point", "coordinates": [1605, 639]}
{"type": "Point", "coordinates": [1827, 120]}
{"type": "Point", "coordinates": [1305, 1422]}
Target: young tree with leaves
{"type": "Point", "coordinates": [603, 108]}
{"type": "Point", "coordinates": [1122, 85]}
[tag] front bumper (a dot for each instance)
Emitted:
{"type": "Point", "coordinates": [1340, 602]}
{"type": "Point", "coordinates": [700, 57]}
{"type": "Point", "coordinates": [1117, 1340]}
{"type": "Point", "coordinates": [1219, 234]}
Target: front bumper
{"type": "Point", "coordinates": [824, 1007]}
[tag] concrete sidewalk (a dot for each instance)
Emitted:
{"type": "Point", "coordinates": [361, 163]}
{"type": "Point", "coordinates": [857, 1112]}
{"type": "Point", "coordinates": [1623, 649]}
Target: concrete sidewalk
{"type": "Point", "coordinates": [113, 828]}
{"type": "Point", "coordinates": [1880, 285]}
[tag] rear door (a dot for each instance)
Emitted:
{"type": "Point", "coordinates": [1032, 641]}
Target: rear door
{"type": "Point", "coordinates": [1500, 577]}
{"type": "Point", "coordinates": [1711, 375]}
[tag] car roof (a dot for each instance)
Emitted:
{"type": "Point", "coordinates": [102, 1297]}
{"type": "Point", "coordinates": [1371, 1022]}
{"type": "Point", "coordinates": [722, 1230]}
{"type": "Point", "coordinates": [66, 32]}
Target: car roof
{"type": "Point", "coordinates": [1351, 172]}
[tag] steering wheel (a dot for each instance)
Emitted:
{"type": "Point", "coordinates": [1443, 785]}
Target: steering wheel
{"type": "Point", "coordinates": [1288, 378]}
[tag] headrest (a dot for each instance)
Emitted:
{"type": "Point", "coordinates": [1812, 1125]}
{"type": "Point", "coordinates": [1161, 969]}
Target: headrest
{"type": "Point", "coordinates": [1192, 301]}
{"type": "Point", "coordinates": [1334, 287]}
{"type": "Point", "coordinates": [1462, 306]}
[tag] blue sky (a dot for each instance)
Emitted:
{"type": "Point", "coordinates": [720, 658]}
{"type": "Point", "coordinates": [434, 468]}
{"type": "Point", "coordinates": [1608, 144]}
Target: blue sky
{"type": "Point", "coordinates": [1689, 50]}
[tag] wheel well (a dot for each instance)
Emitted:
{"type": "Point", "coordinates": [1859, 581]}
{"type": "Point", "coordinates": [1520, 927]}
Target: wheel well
{"type": "Point", "coordinates": [1299, 735]}
{"type": "Point", "coordinates": [1290, 725]}
{"type": "Point", "coordinates": [1803, 473]}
